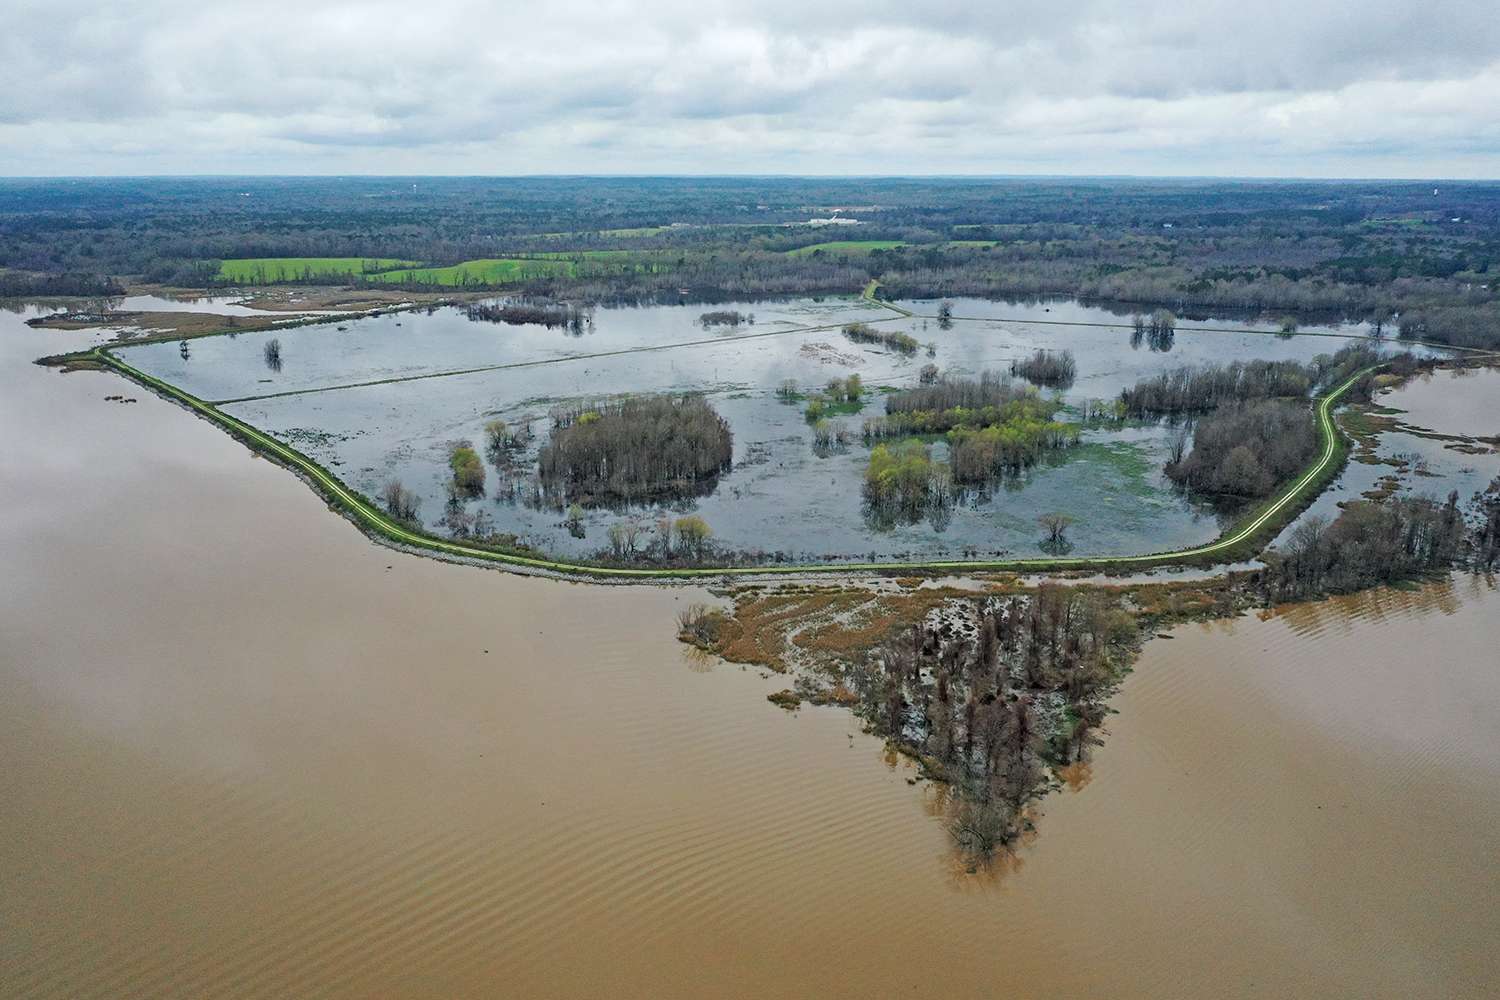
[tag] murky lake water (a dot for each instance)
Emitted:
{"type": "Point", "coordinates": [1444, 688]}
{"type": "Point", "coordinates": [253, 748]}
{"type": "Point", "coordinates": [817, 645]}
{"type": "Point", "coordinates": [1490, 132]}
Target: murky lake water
{"type": "Point", "coordinates": [371, 434]}
{"type": "Point", "coordinates": [249, 753]}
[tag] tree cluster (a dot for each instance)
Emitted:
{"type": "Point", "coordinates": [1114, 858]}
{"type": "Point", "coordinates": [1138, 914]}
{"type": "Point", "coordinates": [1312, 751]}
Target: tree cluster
{"type": "Point", "coordinates": [1199, 390]}
{"type": "Point", "coordinates": [993, 700]}
{"type": "Point", "coordinates": [902, 483]}
{"type": "Point", "coordinates": [634, 449]}
{"type": "Point", "coordinates": [1369, 544]}
{"type": "Point", "coordinates": [731, 318]}
{"type": "Point", "coordinates": [989, 390]}
{"type": "Point", "coordinates": [895, 340]}
{"type": "Point", "coordinates": [1487, 533]}
{"type": "Point", "coordinates": [1245, 451]}
{"type": "Point", "coordinates": [400, 502]}
{"type": "Point", "coordinates": [467, 469]}
{"type": "Point", "coordinates": [979, 455]}
{"type": "Point", "coordinates": [575, 319]}
{"type": "Point", "coordinates": [1054, 369]}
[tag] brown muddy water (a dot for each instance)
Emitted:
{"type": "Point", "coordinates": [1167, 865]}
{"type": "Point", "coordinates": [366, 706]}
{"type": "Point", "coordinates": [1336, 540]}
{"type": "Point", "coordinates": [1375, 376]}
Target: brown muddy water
{"type": "Point", "coordinates": [249, 753]}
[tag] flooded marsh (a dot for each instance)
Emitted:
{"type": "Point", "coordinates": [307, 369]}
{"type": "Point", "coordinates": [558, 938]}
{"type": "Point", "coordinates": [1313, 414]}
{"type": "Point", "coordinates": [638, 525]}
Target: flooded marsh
{"type": "Point", "coordinates": [384, 399]}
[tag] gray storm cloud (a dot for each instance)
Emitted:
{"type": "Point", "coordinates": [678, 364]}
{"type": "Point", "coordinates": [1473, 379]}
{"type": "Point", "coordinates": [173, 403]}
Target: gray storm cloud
{"type": "Point", "coordinates": [1280, 88]}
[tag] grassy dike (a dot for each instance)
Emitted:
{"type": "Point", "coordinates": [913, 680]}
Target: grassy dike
{"type": "Point", "coordinates": [1240, 542]}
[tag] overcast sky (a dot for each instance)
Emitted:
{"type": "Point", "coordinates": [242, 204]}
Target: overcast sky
{"type": "Point", "coordinates": [1369, 88]}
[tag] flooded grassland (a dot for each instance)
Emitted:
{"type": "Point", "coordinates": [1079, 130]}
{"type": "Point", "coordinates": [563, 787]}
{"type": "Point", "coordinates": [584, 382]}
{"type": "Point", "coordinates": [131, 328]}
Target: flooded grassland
{"type": "Point", "coordinates": [386, 398]}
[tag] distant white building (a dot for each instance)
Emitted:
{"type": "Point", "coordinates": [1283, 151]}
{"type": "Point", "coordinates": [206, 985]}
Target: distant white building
{"type": "Point", "coordinates": [833, 220]}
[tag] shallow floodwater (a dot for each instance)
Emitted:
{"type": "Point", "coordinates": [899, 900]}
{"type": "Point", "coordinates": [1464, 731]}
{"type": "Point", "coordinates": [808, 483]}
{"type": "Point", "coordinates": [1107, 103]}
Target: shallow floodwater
{"type": "Point", "coordinates": [249, 753]}
{"type": "Point", "coordinates": [1448, 426]}
{"type": "Point", "coordinates": [385, 397]}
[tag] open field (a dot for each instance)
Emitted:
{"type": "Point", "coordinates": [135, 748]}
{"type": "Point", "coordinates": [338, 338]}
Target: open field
{"type": "Point", "coordinates": [487, 271]}
{"type": "Point", "coordinates": [496, 271]}
{"type": "Point", "coordinates": [269, 270]}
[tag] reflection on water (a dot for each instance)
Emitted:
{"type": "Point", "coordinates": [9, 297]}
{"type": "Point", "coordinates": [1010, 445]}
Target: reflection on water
{"type": "Point", "coordinates": [248, 753]}
{"type": "Point", "coordinates": [1343, 611]}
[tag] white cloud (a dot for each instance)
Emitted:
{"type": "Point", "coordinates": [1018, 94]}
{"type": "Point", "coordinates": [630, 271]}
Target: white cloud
{"type": "Point", "coordinates": [1282, 87]}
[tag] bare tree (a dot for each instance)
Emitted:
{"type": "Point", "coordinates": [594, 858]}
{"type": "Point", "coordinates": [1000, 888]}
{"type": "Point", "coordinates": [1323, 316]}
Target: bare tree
{"type": "Point", "coordinates": [1056, 526]}
{"type": "Point", "coordinates": [399, 501]}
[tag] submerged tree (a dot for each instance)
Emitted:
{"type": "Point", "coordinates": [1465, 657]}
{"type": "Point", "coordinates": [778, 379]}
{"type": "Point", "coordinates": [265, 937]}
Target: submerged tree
{"type": "Point", "coordinates": [497, 435]}
{"type": "Point", "coordinates": [864, 333]}
{"type": "Point", "coordinates": [1056, 525]}
{"type": "Point", "coordinates": [693, 534]}
{"type": "Point", "coordinates": [1054, 369]}
{"type": "Point", "coordinates": [400, 502]}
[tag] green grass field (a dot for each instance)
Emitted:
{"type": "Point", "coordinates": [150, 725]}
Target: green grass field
{"type": "Point", "coordinates": [477, 272]}
{"type": "Point", "coordinates": [496, 271]}
{"type": "Point", "coordinates": [269, 270]}
{"type": "Point", "coordinates": [847, 246]}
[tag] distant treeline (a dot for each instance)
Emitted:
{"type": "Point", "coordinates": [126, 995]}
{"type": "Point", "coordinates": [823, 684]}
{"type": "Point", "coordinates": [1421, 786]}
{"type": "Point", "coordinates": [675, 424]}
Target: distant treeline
{"type": "Point", "coordinates": [18, 285]}
{"type": "Point", "coordinates": [1419, 263]}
